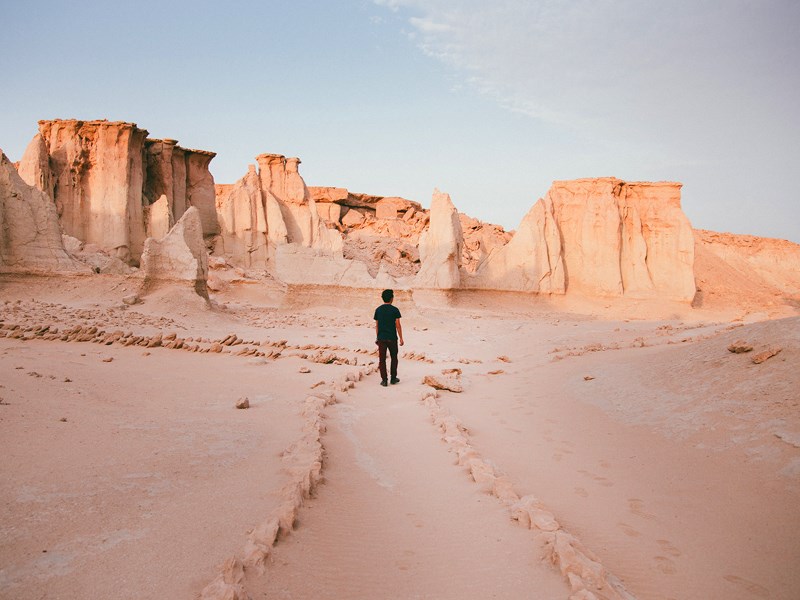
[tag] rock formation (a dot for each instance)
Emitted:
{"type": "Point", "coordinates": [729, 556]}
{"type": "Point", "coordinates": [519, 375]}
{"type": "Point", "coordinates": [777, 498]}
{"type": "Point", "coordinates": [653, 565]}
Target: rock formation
{"type": "Point", "coordinates": [440, 246]}
{"type": "Point", "coordinates": [531, 261]}
{"type": "Point", "coordinates": [30, 235]}
{"type": "Point", "coordinates": [624, 238]}
{"type": "Point", "coordinates": [179, 257]}
{"type": "Point", "coordinates": [103, 176]}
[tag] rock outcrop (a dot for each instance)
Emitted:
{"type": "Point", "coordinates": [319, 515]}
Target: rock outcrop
{"type": "Point", "coordinates": [30, 235]}
{"type": "Point", "coordinates": [440, 246]}
{"type": "Point", "coordinates": [179, 257]}
{"type": "Point", "coordinates": [623, 238]}
{"type": "Point", "coordinates": [532, 259]}
{"type": "Point", "coordinates": [103, 177]}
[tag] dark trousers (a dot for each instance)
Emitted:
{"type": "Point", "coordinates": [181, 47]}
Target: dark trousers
{"type": "Point", "coordinates": [383, 345]}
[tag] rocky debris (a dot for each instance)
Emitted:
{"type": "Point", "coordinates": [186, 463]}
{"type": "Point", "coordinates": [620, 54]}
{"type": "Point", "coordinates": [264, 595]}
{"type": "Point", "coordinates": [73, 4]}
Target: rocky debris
{"type": "Point", "coordinates": [242, 403]}
{"type": "Point", "coordinates": [766, 355]}
{"type": "Point", "coordinates": [440, 246]}
{"type": "Point", "coordinates": [504, 359]}
{"type": "Point", "coordinates": [586, 575]}
{"type": "Point", "coordinates": [103, 176]}
{"type": "Point", "coordinates": [304, 370]}
{"type": "Point", "coordinates": [480, 240]}
{"type": "Point", "coordinates": [443, 383]}
{"type": "Point", "coordinates": [588, 377]}
{"type": "Point", "coordinates": [30, 235]}
{"type": "Point", "coordinates": [179, 257]}
{"type": "Point", "coordinates": [740, 347]}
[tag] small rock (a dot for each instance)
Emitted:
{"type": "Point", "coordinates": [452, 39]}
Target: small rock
{"type": "Point", "coordinates": [131, 300]}
{"type": "Point", "coordinates": [456, 372]}
{"type": "Point", "coordinates": [109, 359]}
{"type": "Point", "coordinates": [243, 403]}
{"type": "Point", "coordinates": [504, 359]}
{"type": "Point", "coordinates": [496, 372]}
{"type": "Point", "coordinates": [766, 354]}
{"type": "Point", "coordinates": [738, 347]}
{"type": "Point", "coordinates": [439, 384]}
{"type": "Point", "coordinates": [63, 419]}
{"type": "Point", "coordinates": [587, 377]}
{"type": "Point", "coordinates": [304, 370]}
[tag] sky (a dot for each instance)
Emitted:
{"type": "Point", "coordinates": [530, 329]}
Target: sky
{"type": "Point", "coordinates": [488, 101]}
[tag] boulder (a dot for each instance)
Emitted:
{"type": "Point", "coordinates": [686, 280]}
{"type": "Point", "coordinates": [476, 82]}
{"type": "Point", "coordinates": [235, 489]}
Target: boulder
{"type": "Point", "coordinates": [179, 257]}
{"type": "Point", "coordinates": [440, 246]}
{"type": "Point", "coordinates": [30, 235]}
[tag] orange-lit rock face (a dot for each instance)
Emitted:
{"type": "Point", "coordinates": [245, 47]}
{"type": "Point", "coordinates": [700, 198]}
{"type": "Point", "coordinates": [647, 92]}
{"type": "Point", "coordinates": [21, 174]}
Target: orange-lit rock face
{"type": "Point", "coordinates": [624, 238]}
{"type": "Point", "coordinates": [440, 246]}
{"type": "Point", "coordinates": [104, 175]}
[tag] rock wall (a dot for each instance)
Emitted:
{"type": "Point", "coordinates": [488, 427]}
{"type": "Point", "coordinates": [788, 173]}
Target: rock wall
{"type": "Point", "coordinates": [104, 175]}
{"type": "Point", "coordinates": [530, 262]}
{"type": "Point", "coordinates": [30, 235]}
{"type": "Point", "coordinates": [621, 238]}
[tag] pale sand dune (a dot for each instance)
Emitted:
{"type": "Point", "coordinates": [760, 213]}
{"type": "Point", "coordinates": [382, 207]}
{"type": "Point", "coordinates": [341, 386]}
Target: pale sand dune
{"type": "Point", "coordinates": [676, 465]}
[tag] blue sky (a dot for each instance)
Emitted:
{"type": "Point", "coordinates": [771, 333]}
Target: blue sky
{"type": "Point", "coordinates": [489, 101]}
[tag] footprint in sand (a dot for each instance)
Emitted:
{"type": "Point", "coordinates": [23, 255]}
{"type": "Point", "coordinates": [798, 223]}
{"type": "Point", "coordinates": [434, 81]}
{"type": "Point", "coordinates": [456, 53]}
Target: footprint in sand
{"type": "Point", "coordinates": [667, 547]}
{"type": "Point", "coordinates": [604, 481]}
{"type": "Point", "coordinates": [665, 565]}
{"type": "Point", "coordinates": [755, 589]}
{"type": "Point", "coordinates": [637, 508]}
{"type": "Point", "coordinates": [628, 530]}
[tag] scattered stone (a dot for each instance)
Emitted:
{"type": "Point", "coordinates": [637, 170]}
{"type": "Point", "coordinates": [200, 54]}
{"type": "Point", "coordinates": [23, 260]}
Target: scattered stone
{"type": "Point", "coordinates": [63, 419]}
{"type": "Point", "coordinates": [739, 347]}
{"type": "Point", "coordinates": [131, 300]}
{"type": "Point", "coordinates": [442, 384]}
{"type": "Point", "coordinates": [109, 359]}
{"type": "Point", "coordinates": [496, 372]}
{"type": "Point", "coordinates": [766, 354]}
{"type": "Point", "coordinates": [504, 359]}
{"type": "Point", "coordinates": [456, 372]}
{"type": "Point", "coordinates": [243, 403]}
{"type": "Point", "coordinates": [587, 377]}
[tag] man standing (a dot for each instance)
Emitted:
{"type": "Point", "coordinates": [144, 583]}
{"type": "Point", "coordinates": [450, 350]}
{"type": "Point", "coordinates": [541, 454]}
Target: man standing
{"type": "Point", "coordinates": [387, 330]}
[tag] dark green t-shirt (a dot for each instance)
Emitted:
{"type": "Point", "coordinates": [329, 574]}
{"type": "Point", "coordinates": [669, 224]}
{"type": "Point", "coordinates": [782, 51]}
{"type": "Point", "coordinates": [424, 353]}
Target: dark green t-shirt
{"type": "Point", "coordinates": [386, 315]}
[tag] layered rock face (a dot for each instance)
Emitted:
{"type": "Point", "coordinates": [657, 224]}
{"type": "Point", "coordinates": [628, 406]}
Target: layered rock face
{"type": "Point", "coordinates": [624, 238]}
{"type": "Point", "coordinates": [773, 262]}
{"type": "Point", "coordinates": [440, 246]}
{"type": "Point", "coordinates": [179, 257]}
{"type": "Point", "coordinates": [104, 176]}
{"type": "Point", "coordinates": [30, 235]}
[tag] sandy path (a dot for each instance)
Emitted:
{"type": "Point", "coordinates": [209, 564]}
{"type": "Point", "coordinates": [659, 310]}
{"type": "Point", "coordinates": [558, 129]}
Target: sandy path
{"type": "Point", "coordinates": [671, 470]}
{"type": "Point", "coordinates": [396, 518]}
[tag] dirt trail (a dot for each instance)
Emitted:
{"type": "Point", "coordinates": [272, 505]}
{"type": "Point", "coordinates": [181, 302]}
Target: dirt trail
{"type": "Point", "coordinates": [396, 518]}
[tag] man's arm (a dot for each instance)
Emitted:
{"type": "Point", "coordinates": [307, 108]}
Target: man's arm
{"type": "Point", "coordinates": [376, 330]}
{"type": "Point", "coordinates": [399, 330]}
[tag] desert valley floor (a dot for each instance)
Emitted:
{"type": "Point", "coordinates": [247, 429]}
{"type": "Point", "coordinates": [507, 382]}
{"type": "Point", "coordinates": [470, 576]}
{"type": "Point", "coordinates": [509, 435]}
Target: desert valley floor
{"type": "Point", "coordinates": [591, 450]}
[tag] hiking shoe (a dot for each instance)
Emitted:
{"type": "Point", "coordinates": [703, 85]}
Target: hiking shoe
{"type": "Point", "coordinates": [395, 380]}
{"type": "Point", "coordinates": [383, 383]}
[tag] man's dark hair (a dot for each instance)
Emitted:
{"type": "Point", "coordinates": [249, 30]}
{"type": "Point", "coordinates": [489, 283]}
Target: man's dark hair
{"type": "Point", "coordinates": [387, 295]}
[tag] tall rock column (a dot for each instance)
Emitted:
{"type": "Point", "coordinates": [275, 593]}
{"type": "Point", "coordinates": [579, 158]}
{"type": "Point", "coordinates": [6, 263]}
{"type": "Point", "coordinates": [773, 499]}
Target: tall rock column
{"type": "Point", "coordinates": [200, 189]}
{"type": "Point", "coordinates": [440, 246]}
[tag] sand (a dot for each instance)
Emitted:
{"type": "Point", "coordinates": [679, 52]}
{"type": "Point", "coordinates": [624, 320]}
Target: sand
{"type": "Point", "coordinates": [662, 465]}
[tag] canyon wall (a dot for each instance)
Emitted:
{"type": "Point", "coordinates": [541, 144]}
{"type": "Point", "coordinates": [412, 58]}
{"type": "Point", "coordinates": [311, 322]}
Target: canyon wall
{"type": "Point", "coordinates": [105, 175]}
{"type": "Point", "coordinates": [620, 238]}
{"type": "Point", "coordinates": [30, 235]}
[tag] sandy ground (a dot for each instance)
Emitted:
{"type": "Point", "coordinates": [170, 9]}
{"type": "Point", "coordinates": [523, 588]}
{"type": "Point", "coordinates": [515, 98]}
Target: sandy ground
{"type": "Point", "coordinates": [128, 473]}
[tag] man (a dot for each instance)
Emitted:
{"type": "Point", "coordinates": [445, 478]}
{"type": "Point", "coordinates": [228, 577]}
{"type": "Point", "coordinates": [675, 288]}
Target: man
{"type": "Point", "coordinates": [387, 330]}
